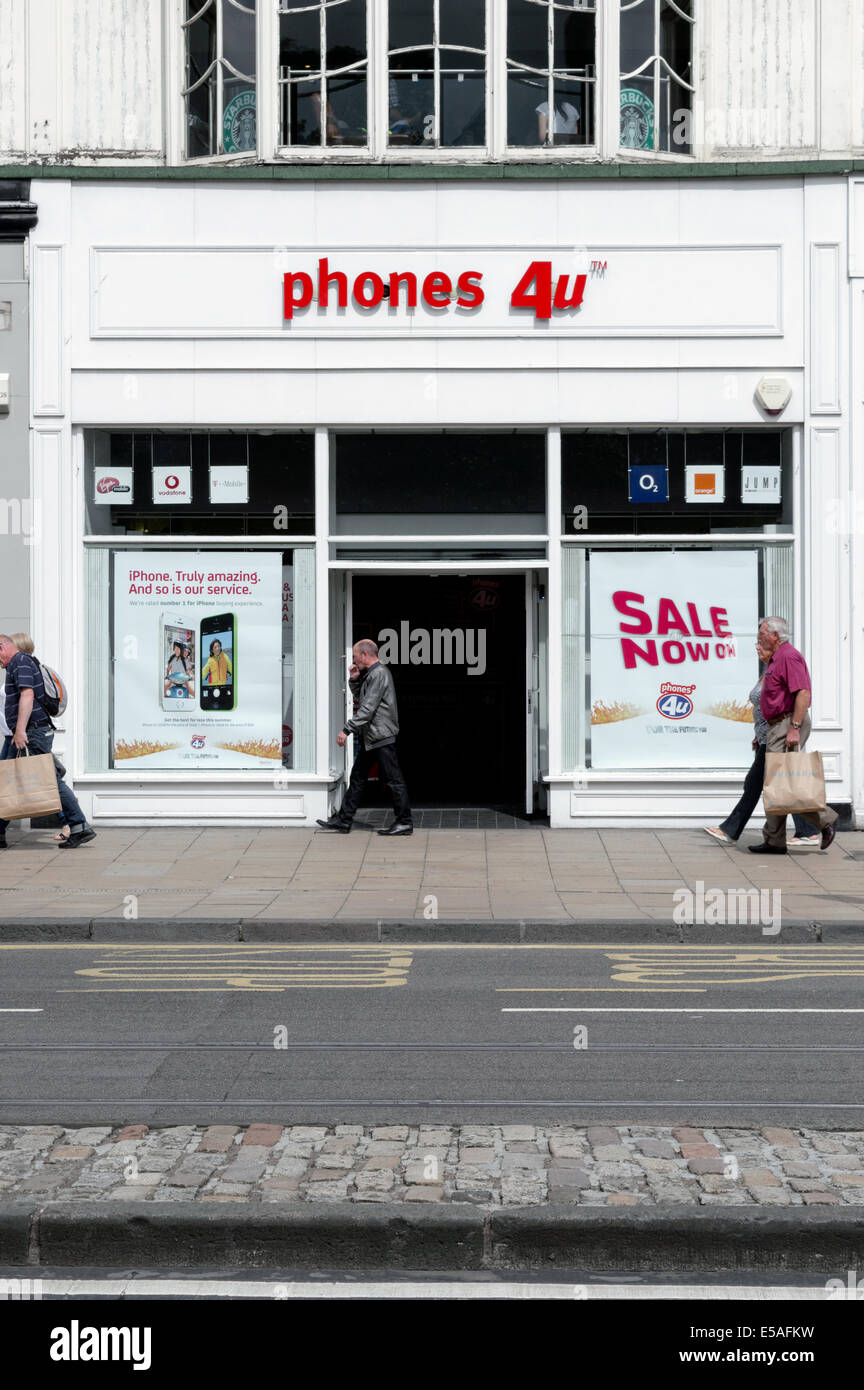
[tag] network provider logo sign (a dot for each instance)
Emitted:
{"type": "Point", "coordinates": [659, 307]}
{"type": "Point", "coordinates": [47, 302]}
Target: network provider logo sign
{"type": "Point", "coordinates": [172, 486]}
{"type": "Point", "coordinates": [113, 487]}
{"type": "Point", "coordinates": [675, 701]}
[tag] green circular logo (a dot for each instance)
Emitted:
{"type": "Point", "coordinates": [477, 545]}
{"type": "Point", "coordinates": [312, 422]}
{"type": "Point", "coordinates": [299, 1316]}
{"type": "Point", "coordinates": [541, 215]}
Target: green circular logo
{"type": "Point", "coordinates": [637, 120]}
{"type": "Point", "coordinates": [238, 124]}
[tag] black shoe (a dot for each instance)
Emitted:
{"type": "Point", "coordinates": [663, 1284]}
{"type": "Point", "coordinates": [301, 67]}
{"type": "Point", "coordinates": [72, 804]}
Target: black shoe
{"type": "Point", "coordinates": [336, 823]}
{"type": "Point", "coordinates": [75, 841]}
{"type": "Point", "coordinates": [827, 836]}
{"type": "Point", "coordinates": [3, 844]}
{"type": "Point", "coordinates": [403, 827]}
{"type": "Point", "coordinates": [767, 849]}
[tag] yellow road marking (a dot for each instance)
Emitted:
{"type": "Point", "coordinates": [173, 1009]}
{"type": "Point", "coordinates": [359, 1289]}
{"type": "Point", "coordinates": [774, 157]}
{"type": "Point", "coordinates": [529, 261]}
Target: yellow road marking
{"type": "Point", "coordinates": [162, 968]}
{"type": "Point", "coordinates": [413, 946]}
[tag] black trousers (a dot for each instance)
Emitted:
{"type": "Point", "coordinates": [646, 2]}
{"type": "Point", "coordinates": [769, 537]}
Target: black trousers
{"type": "Point", "coordinates": [753, 783]}
{"type": "Point", "coordinates": [389, 764]}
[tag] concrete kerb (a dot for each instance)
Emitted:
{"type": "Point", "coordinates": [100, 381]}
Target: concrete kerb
{"type": "Point", "coordinates": [108, 930]}
{"type": "Point", "coordinates": [389, 1236]}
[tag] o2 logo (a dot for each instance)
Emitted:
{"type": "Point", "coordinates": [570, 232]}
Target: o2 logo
{"type": "Point", "coordinates": [675, 706]}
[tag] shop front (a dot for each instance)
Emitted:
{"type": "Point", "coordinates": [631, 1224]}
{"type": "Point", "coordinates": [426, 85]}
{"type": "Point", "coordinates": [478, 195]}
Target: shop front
{"type": "Point", "coordinates": [555, 472]}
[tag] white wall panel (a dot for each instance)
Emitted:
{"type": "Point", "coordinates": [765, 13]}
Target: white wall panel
{"type": "Point", "coordinates": [112, 64]}
{"type": "Point", "coordinates": [762, 90]}
{"type": "Point", "coordinates": [13, 77]}
{"type": "Point", "coordinates": [49, 330]}
{"type": "Point", "coordinates": [825, 346]}
{"type": "Point", "coordinates": [825, 565]}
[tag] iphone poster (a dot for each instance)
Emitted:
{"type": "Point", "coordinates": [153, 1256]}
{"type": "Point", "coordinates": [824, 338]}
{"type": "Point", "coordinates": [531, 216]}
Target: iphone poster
{"type": "Point", "coordinates": [197, 659]}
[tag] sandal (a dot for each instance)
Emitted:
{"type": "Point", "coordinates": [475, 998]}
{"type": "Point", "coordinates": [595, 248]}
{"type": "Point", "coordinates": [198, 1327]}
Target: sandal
{"type": "Point", "coordinates": [64, 834]}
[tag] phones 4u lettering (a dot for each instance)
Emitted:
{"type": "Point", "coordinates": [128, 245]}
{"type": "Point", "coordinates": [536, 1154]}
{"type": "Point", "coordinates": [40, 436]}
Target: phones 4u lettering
{"type": "Point", "coordinates": [538, 289]}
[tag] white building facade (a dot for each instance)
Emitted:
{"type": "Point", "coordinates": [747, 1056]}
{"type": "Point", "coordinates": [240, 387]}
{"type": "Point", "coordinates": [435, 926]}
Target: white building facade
{"type": "Point", "coordinates": [553, 408]}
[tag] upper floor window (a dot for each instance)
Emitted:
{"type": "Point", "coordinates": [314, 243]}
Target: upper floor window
{"type": "Point", "coordinates": [551, 68]}
{"type": "Point", "coordinates": [323, 96]}
{"type": "Point", "coordinates": [219, 91]}
{"type": "Point", "coordinates": [436, 91]}
{"type": "Point", "coordinates": [656, 80]}
{"type": "Point", "coordinates": [379, 79]}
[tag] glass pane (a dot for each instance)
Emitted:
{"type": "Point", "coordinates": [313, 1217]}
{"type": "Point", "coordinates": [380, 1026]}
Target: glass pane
{"type": "Point", "coordinates": [440, 474]}
{"type": "Point", "coordinates": [411, 23]}
{"type": "Point", "coordinates": [574, 41]}
{"type": "Point", "coordinates": [238, 38]}
{"type": "Point", "coordinates": [637, 35]}
{"type": "Point", "coordinates": [305, 99]}
{"type": "Point", "coordinates": [463, 108]}
{"type": "Point", "coordinates": [525, 97]}
{"type": "Point", "coordinates": [637, 112]}
{"type": "Point", "coordinates": [567, 124]}
{"type": "Point", "coordinates": [238, 116]}
{"type": "Point", "coordinates": [462, 22]}
{"type": "Point", "coordinates": [347, 110]}
{"type": "Point", "coordinates": [527, 35]}
{"type": "Point", "coordinates": [300, 41]}
{"type": "Point", "coordinates": [675, 39]}
{"type": "Point", "coordinates": [200, 120]}
{"type": "Point", "coordinates": [412, 106]}
{"type": "Point", "coordinates": [346, 33]}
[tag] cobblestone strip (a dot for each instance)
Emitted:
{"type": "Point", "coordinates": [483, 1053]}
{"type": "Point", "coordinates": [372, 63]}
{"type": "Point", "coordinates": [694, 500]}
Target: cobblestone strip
{"type": "Point", "coordinates": [487, 1165]}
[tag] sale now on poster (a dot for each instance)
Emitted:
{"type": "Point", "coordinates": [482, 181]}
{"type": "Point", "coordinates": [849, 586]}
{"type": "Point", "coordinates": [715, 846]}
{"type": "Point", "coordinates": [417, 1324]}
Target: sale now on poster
{"type": "Point", "coordinates": [673, 658]}
{"type": "Point", "coordinates": [197, 659]}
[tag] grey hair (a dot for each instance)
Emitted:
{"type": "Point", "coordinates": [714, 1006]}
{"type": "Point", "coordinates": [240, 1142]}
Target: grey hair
{"type": "Point", "coordinates": [779, 626]}
{"type": "Point", "coordinates": [367, 647]}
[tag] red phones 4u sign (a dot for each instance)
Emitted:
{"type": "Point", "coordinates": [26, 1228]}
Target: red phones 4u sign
{"type": "Point", "coordinates": [539, 290]}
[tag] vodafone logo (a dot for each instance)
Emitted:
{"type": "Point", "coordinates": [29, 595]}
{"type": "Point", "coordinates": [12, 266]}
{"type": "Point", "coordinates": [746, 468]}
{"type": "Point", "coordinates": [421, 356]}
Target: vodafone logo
{"type": "Point", "coordinates": [172, 481]}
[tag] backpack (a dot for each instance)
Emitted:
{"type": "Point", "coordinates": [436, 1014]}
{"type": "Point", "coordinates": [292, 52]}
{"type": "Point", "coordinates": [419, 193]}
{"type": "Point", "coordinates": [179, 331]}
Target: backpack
{"type": "Point", "coordinates": [56, 692]}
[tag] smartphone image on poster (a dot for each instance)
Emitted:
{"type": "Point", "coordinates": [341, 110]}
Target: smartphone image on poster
{"type": "Point", "coordinates": [177, 676]}
{"type": "Point", "coordinates": [218, 663]}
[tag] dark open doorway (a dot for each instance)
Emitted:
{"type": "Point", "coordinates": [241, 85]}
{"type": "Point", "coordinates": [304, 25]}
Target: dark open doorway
{"type": "Point", "coordinates": [456, 646]}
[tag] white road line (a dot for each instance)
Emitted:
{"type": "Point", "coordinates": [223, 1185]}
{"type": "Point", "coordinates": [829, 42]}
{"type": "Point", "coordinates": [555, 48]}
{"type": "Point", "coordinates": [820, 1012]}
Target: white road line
{"type": "Point", "coordinates": [415, 1289]}
{"type": "Point", "coordinates": [22, 1011]}
{"type": "Point", "coordinates": [695, 1010]}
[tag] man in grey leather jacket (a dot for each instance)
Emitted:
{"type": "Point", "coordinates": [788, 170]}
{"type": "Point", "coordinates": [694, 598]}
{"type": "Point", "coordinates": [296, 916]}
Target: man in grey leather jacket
{"type": "Point", "coordinates": [376, 720]}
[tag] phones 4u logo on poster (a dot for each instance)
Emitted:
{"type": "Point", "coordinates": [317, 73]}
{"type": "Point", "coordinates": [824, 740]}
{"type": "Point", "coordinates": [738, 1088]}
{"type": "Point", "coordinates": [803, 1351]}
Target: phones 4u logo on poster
{"type": "Point", "coordinates": [675, 701]}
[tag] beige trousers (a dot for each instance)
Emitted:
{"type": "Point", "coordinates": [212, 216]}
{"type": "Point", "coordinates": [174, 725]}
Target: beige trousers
{"type": "Point", "coordinates": [775, 826]}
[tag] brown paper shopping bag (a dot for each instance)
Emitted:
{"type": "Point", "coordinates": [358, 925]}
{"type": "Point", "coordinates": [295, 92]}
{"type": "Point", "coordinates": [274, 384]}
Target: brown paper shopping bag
{"type": "Point", "coordinates": [793, 782]}
{"type": "Point", "coordinates": [28, 786]}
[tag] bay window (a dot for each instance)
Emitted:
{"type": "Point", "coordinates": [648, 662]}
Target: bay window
{"type": "Point", "coordinates": [391, 79]}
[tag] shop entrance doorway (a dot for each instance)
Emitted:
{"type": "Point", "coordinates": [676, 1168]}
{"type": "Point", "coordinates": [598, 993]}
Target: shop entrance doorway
{"type": "Point", "coordinates": [456, 645]}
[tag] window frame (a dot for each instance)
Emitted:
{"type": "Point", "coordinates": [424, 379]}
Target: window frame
{"type": "Point", "coordinates": [218, 63]}
{"type": "Point", "coordinates": [607, 87]}
{"type": "Point", "coordinates": [553, 151]}
{"type": "Point", "coordinates": [321, 151]}
{"type": "Point", "coordinates": [655, 62]}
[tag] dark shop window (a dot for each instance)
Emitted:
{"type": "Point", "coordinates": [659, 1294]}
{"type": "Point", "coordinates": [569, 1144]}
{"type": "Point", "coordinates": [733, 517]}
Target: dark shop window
{"type": "Point", "coordinates": [636, 482]}
{"type": "Point", "coordinates": [279, 474]}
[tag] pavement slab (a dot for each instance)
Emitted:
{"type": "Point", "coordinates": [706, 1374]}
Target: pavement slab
{"type": "Point", "coordinates": [480, 874]}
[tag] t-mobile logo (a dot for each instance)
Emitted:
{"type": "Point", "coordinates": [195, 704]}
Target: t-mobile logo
{"type": "Point", "coordinates": [438, 646]}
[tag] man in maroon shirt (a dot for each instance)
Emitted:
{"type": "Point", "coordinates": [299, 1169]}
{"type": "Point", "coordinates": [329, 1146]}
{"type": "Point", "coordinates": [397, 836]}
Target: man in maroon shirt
{"type": "Point", "coordinates": [784, 701]}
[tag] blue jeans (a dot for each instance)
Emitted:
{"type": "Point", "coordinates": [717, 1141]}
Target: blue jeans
{"type": "Point", "coordinates": [39, 740]}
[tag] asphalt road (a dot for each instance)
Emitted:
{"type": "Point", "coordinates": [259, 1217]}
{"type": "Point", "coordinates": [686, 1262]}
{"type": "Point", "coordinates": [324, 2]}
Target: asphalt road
{"type": "Point", "coordinates": [168, 1034]}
